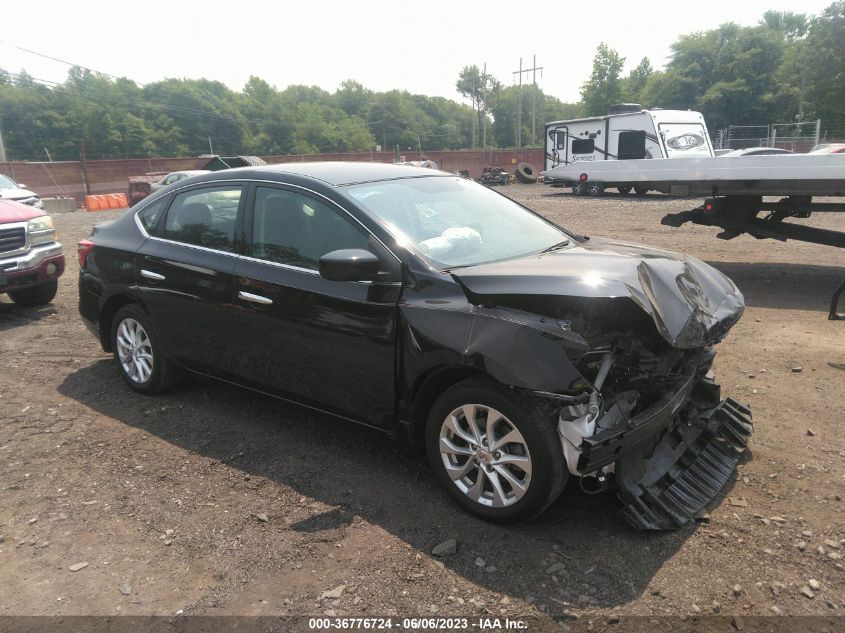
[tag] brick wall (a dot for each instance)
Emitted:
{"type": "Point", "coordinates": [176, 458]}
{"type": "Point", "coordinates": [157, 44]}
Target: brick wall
{"type": "Point", "coordinates": [111, 176]}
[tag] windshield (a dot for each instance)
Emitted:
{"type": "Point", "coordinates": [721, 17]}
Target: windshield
{"type": "Point", "coordinates": [6, 183]}
{"type": "Point", "coordinates": [455, 221]}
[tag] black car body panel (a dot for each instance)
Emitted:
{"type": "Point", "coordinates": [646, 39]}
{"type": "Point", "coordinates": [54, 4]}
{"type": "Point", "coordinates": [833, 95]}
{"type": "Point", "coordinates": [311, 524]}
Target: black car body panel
{"type": "Point", "coordinates": [691, 303]}
{"type": "Point", "coordinates": [547, 325]}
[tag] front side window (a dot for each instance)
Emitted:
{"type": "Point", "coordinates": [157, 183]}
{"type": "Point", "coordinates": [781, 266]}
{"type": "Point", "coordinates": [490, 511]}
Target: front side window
{"type": "Point", "coordinates": [294, 229]}
{"type": "Point", "coordinates": [204, 217]}
{"type": "Point", "coordinates": [454, 221]}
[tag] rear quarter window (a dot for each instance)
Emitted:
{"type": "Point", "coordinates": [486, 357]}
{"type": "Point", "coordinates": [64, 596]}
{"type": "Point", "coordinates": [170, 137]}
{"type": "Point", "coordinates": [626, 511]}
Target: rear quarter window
{"type": "Point", "coordinates": [150, 215]}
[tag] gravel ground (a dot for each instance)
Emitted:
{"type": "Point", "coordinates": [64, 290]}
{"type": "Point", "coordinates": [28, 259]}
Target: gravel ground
{"type": "Point", "coordinates": [209, 500]}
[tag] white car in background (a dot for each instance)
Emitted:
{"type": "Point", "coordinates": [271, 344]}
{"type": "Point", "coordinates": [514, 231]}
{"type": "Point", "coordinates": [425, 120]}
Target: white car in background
{"type": "Point", "coordinates": [10, 190]}
{"type": "Point", "coordinates": [756, 151]}
{"type": "Point", "coordinates": [176, 176]}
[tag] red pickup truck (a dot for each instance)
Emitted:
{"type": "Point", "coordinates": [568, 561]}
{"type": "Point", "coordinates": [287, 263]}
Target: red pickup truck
{"type": "Point", "coordinates": [31, 260]}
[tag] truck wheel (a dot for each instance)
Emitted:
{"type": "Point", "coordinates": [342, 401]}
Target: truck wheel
{"type": "Point", "coordinates": [595, 189]}
{"type": "Point", "coordinates": [640, 191]}
{"type": "Point", "coordinates": [139, 354]}
{"type": "Point", "coordinates": [625, 190]}
{"type": "Point", "coordinates": [495, 451]}
{"type": "Point", "coordinates": [35, 295]}
{"type": "Point", "coordinates": [525, 174]}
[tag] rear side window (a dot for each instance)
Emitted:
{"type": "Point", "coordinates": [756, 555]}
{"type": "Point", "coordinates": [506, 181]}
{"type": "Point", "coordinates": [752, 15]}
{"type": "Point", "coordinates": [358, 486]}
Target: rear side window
{"type": "Point", "coordinates": [204, 217]}
{"type": "Point", "coordinates": [150, 215]}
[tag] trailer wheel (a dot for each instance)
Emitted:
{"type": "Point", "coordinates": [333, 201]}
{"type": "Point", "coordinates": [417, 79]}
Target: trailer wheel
{"type": "Point", "coordinates": [595, 189]}
{"type": "Point", "coordinates": [624, 190]}
{"type": "Point", "coordinates": [579, 189]}
{"type": "Point", "coordinates": [640, 191]}
{"type": "Point", "coordinates": [525, 174]}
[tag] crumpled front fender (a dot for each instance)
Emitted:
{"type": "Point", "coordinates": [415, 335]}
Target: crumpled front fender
{"type": "Point", "coordinates": [517, 348]}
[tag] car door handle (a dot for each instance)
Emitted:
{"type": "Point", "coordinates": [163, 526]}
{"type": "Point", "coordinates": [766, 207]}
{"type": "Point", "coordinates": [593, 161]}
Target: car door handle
{"type": "Point", "coordinates": [151, 275]}
{"type": "Point", "coordinates": [248, 296]}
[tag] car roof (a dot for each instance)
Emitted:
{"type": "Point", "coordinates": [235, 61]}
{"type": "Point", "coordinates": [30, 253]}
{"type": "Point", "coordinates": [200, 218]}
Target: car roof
{"type": "Point", "coordinates": [758, 150]}
{"type": "Point", "coordinates": [344, 173]}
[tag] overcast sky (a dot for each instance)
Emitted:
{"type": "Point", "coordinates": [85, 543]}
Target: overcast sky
{"type": "Point", "coordinates": [416, 46]}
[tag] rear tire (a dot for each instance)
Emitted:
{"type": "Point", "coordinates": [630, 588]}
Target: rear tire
{"type": "Point", "coordinates": [497, 480]}
{"type": "Point", "coordinates": [640, 191]}
{"type": "Point", "coordinates": [579, 189]}
{"type": "Point", "coordinates": [139, 354]}
{"type": "Point", "coordinates": [624, 190]}
{"type": "Point", "coordinates": [35, 295]}
{"type": "Point", "coordinates": [595, 189]}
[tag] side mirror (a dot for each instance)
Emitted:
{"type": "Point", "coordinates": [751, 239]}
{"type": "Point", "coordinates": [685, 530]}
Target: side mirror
{"type": "Point", "coordinates": [349, 264]}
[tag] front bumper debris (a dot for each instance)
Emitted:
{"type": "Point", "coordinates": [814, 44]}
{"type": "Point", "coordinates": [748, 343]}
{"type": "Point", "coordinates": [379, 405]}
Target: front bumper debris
{"type": "Point", "coordinates": [664, 488]}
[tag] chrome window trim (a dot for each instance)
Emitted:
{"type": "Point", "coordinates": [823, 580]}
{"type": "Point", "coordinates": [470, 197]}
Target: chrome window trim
{"type": "Point", "coordinates": [258, 260]}
{"type": "Point", "coordinates": [317, 194]}
{"type": "Point", "coordinates": [196, 246]}
{"type": "Point", "coordinates": [310, 271]}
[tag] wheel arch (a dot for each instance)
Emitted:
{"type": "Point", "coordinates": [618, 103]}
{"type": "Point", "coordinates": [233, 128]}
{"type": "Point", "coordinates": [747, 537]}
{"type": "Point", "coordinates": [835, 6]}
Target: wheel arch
{"type": "Point", "coordinates": [423, 396]}
{"type": "Point", "coordinates": [107, 312]}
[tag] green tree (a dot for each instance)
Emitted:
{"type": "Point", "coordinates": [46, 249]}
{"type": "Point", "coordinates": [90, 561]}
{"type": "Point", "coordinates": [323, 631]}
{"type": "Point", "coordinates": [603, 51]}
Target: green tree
{"type": "Point", "coordinates": [604, 87]}
{"type": "Point", "coordinates": [480, 88]}
{"type": "Point", "coordinates": [790, 25]}
{"type": "Point", "coordinates": [633, 84]}
{"type": "Point", "coordinates": [825, 64]}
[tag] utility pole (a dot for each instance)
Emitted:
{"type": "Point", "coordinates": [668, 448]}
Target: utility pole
{"type": "Point", "coordinates": [484, 115]}
{"type": "Point", "coordinates": [84, 167]}
{"type": "Point", "coordinates": [532, 70]}
{"type": "Point", "coordinates": [2, 147]}
{"type": "Point", "coordinates": [519, 109]}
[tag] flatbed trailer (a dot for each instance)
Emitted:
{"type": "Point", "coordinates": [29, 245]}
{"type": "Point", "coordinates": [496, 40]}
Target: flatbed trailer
{"type": "Point", "coordinates": [735, 189]}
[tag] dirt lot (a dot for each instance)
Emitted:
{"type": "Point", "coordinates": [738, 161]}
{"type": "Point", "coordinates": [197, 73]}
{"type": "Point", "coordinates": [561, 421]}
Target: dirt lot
{"type": "Point", "coordinates": [209, 500]}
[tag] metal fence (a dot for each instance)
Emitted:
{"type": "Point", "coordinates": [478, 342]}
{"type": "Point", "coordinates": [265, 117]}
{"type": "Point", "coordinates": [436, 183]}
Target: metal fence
{"type": "Point", "coordinates": [797, 137]}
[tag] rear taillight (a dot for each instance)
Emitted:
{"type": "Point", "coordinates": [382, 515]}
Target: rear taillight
{"type": "Point", "coordinates": [583, 177]}
{"type": "Point", "coordinates": [84, 249]}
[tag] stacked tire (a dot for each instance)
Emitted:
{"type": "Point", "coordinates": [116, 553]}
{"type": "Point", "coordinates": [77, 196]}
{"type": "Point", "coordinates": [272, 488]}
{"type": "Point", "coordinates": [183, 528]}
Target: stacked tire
{"type": "Point", "coordinates": [525, 174]}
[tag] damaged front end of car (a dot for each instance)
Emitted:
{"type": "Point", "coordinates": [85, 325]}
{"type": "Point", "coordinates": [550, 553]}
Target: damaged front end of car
{"type": "Point", "coordinates": [645, 412]}
{"type": "Point", "coordinates": [660, 427]}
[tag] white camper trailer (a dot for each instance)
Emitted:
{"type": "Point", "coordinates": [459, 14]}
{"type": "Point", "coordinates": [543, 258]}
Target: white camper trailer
{"type": "Point", "coordinates": [627, 132]}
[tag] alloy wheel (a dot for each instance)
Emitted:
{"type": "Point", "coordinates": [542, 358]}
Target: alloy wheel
{"type": "Point", "coordinates": [134, 351]}
{"type": "Point", "coordinates": [485, 455]}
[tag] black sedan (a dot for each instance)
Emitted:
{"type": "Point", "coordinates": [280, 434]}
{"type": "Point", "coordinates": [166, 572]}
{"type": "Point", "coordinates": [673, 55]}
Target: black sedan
{"type": "Point", "coordinates": [515, 352]}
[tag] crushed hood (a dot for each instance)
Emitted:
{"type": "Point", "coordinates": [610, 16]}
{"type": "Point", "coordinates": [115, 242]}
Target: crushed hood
{"type": "Point", "coordinates": [692, 304]}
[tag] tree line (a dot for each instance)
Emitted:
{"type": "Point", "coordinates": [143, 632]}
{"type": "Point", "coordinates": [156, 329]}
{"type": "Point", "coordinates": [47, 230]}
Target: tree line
{"type": "Point", "coordinates": [789, 67]}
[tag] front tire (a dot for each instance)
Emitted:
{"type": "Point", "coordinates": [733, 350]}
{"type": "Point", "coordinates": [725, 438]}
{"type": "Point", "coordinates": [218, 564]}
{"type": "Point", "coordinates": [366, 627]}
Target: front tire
{"type": "Point", "coordinates": [138, 352]}
{"type": "Point", "coordinates": [35, 295]}
{"type": "Point", "coordinates": [495, 451]}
